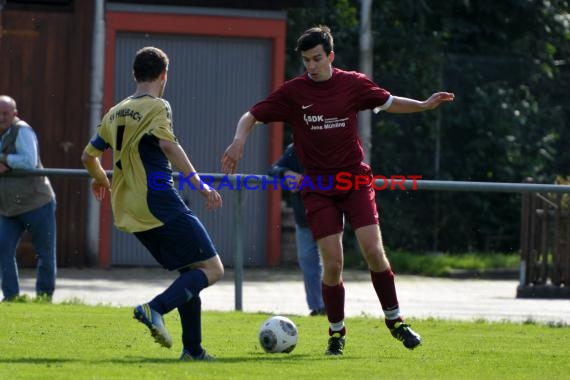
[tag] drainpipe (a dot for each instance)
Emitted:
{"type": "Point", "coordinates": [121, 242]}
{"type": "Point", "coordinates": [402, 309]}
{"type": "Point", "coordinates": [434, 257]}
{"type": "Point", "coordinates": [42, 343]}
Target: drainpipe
{"type": "Point", "coordinates": [95, 105]}
{"type": "Point", "coordinates": [366, 58]}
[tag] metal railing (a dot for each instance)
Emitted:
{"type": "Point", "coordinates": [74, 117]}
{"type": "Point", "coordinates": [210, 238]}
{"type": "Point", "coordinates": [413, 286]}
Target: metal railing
{"type": "Point", "coordinates": [407, 184]}
{"type": "Point", "coordinates": [504, 187]}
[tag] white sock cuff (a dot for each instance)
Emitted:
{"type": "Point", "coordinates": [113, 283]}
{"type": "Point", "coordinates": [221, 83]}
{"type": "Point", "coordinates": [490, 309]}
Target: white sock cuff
{"type": "Point", "coordinates": [392, 314]}
{"type": "Point", "coordinates": [337, 326]}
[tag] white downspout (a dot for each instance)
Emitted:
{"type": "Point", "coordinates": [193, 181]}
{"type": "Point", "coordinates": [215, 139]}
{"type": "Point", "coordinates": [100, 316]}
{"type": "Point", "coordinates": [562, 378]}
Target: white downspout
{"type": "Point", "coordinates": [95, 104]}
{"type": "Point", "coordinates": [366, 59]}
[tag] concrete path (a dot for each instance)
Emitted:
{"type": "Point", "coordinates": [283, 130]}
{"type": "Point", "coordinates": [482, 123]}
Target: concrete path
{"type": "Point", "coordinates": [280, 291]}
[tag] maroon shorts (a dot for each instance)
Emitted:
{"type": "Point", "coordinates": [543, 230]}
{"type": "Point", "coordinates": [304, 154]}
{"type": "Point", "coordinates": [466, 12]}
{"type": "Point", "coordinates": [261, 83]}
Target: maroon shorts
{"type": "Point", "coordinates": [326, 208]}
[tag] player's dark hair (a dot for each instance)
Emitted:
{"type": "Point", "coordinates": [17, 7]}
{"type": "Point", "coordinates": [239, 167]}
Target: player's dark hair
{"type": "Point", "coordinates": [318, 35]}
{"type": "Point", "coordinates": [149, 63]}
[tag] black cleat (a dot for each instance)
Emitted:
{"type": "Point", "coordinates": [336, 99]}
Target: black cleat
{"type": "Point", "coordinates": [204, 356]}
{"type": "Point", "coordinates": [336, 344]}
{"type": "Point", "coordinates": [406, 335]}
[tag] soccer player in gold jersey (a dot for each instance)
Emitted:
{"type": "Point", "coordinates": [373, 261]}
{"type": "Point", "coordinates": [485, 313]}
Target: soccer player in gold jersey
{"type": "Point", "coordinates": [144, 201]}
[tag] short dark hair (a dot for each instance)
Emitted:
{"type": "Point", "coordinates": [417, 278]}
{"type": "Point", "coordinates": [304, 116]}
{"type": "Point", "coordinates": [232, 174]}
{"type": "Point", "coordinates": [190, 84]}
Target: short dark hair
{"type": "Point", "coordinates": [149, 63]}
{"type": "Point", "coordinates": [318, 35]}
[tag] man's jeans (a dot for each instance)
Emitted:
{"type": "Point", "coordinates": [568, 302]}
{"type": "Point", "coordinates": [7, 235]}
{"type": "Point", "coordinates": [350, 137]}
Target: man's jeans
{"type": "Point", "coordinates": [40, 223]}
{"type": "Point", "coordinates": [310, 263]}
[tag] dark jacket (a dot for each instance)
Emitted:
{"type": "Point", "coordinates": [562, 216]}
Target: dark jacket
{"type": "Point", "coordinates": [289, 161]}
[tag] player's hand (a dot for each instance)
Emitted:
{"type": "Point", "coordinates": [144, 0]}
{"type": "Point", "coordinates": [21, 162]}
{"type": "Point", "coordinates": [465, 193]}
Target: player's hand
{"type": "Point", "coordinates": [292, 180]}
{"type": "Point", "coordinates": [439, 97]}
{"type": "Point", "coordinates": [213, 198]}
{"type": "Point", "coordinates": [99, 189]}
{"type": "Point", "coordinates": [231, 157]}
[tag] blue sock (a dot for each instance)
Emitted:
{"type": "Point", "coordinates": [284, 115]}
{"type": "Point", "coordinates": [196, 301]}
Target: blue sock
{"type": "Point", "coordinates": [190, 319]}
{"type": "Point", "coordinates": [186, 286]}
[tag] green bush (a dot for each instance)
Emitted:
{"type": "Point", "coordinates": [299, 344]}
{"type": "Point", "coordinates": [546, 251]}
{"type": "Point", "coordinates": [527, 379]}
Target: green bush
{"type": "Point", "coordinates": [444, 264]}
{"type": "Point", "coordinates": [438, 265]}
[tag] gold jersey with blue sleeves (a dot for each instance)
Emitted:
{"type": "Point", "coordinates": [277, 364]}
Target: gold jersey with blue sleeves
{"type": "Point", "coordinates": [143, 196]}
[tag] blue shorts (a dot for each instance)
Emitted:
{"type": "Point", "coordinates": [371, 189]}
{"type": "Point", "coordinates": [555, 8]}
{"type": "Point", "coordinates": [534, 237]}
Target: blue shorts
{"type": "Point", "coordinates": [179, 243]}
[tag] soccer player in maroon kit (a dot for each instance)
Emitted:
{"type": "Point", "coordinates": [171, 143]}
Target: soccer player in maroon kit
{"type": "Point", "coordinates": [322, 105]}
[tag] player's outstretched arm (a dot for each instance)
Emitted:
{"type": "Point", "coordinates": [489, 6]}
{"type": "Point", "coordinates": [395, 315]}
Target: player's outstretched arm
{"type": "Point", "coordinates": [234, 151]}
{"type": "Point", "coordinates": [178, 158]}
{"type": "Point", "coordinates": [407, 105]}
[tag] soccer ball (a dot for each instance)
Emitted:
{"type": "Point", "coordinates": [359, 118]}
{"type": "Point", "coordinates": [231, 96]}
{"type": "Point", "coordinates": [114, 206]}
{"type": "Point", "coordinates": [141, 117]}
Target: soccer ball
{"type": "Point", "coordinates": [278, 334]}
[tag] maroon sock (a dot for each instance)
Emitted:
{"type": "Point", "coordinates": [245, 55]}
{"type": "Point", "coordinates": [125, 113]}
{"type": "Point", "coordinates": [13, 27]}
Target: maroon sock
{"type": "Point", "coordinates": [333, 296]}
{"type": "Point", "coordinates": [386, 291]}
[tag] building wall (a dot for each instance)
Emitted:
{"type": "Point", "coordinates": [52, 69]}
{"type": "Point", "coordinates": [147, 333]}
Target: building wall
{"type": "Point", "coordinates": [44, 65]}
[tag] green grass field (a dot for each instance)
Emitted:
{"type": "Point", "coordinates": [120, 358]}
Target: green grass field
{"type": "Point", "coordinates": [72, 341]}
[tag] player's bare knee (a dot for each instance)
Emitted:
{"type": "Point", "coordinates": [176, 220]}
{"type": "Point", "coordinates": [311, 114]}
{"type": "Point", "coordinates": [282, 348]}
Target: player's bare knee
{"type": "Point", "coordinates": [332, 269]}
{"type": "Point", "coordinates": [216, 272]}
{"type": "Point", "coordinates": [212, 268]}
{"type": "Point", "coordinates": [213, 275]}
{"type": "Point", "coordinates": [373, 252]}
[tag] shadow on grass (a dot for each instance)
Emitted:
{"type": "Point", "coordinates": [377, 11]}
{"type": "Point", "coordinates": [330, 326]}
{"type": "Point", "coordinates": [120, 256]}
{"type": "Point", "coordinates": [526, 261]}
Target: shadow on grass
{"type": "Point", "coordinates": [277, 359]}
{"type": "Point", "coordinates": [284, 359]}
{"type": "Point", "coordinates": [47, 361]}
{"type": "Point", "coordinates": [273, 358]}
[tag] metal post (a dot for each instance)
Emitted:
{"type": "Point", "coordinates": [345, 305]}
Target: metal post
{"type": "Point", "coordinates": [238, 254]}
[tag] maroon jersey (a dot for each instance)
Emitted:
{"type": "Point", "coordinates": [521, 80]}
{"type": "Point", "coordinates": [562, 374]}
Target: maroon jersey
{"type": "Point", "coordinates": [324, 118]}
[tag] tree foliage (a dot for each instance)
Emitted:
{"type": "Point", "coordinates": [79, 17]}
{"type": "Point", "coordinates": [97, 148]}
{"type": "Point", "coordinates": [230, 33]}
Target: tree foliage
{"type": "Point", "coordinates": [508, 64]}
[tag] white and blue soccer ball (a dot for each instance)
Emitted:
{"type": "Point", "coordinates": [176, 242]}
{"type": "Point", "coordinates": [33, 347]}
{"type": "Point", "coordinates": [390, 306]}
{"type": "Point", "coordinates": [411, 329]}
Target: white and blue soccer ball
{"type": "Point", "coordinates": [278, 334]}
